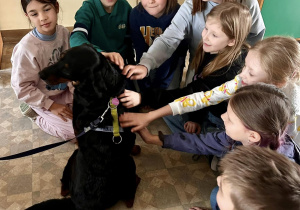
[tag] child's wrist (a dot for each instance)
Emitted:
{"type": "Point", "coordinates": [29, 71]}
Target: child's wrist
{"type": "Point", "coordinates": [161, 137]}
{"type": "Point", "coordinates": [151, 116]}
{"type": "Point", "coordinates": [146, 68]}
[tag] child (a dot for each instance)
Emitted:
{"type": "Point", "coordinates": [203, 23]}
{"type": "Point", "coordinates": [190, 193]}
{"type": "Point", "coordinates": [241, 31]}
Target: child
{"type": "Point", "coordinates": [219, 58]}
{"type": "Point", "coordinates": [257, 178]}
{"type": "Point", "coordinates": [148, 20]}
{"type": "Point", "coordinates": [256, 115]}
{"type": "Point", "coordinates": [188, 24]}
{"type": "Point", "coordinates": [50, 107]}
{"type": "Point", "coordinates": [104, 24]}
{"type": "Point", "coordinates": [274, 60]}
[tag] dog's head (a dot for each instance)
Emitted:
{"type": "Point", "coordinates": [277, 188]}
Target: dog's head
{"type": "Point", "coordinates": [73, 64]}
{"type": "Point", "coordinates": [86, 65]}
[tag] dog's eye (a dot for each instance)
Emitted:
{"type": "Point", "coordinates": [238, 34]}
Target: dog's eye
{"type": "Point", "coordinates": [62, 54]}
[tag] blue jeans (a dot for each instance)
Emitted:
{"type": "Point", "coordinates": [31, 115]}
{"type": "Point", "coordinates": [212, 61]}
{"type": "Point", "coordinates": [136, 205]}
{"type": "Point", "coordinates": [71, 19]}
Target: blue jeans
{"type": "Point", "coordinates": [215, 120]}
{"type": "Point", "coordinates": [175, 123]}
{"type": "Point", "coordinates": [213, 199]}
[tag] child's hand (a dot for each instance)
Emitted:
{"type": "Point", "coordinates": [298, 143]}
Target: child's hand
{"type": "Point", "coordinates": [135, 72]}
{"type": "Point", "coordinates": [130, 98]}
{"type": "Point", "coordinates": [192, 127]}
{"type": "Point", "coordinates": [135, 120]}
{"type": "Point", "coordinates": [149, 138]}
{"type": "Point", "coordinates": [114, 57]}
{"type": "Point", "coordinates": [62, 111]}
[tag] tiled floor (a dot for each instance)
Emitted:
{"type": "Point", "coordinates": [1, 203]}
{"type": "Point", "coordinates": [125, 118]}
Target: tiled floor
{"type": "Point", "coordinates": [170, 179]}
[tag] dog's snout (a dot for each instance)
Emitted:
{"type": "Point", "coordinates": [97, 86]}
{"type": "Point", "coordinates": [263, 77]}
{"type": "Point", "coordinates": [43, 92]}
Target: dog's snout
{"type": "Point", "coordinates": [48, 72]}
{"type": "Point", "coordinates": [42, 75]}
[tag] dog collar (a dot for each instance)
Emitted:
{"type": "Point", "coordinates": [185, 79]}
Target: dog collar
{"type": "Point", "coordinates": [112, 105]}
{"type": "Point", "coordinates": [108, 129]}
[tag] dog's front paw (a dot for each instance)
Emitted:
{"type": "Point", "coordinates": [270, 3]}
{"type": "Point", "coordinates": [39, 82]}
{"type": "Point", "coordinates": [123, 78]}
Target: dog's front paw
{"type": "Point", "coordinates": [129, 203]}
{"type": "Point", "coordinates": [136, 150]}
{"type": "Point", "coordinates": [64, 190]}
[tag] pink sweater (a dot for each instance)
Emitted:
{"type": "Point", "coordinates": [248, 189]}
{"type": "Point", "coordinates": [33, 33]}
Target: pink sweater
{"type": "Point", "coordinates": [29, 57]}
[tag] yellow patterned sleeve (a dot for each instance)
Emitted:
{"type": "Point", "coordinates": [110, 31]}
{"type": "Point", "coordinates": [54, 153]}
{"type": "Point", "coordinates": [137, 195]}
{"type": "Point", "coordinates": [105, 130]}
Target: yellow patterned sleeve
{"type": "Point", "coordinates": [202, 99]}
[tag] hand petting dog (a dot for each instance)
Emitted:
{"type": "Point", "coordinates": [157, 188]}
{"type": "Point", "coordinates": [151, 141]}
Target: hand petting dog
{"type": "Point", "coordinates": [114, 57]}
{"type": "Point", "coordinates": [130, 99]}
{"type": "Point", "coordinates": [62, 111]}
{"type": "Point", "coordinates": [135, 72]}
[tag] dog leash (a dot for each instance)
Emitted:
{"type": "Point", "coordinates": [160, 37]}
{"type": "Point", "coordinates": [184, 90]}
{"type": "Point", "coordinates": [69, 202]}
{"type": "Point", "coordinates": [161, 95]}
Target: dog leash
{"type": "Point", "coordinates": [112, 104]}
{"type": "Point", "coordinates": [114, 113]}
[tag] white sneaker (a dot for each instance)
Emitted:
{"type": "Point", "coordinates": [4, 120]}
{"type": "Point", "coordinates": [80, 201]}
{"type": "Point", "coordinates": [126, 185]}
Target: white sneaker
{"type": "Point", "coordinates": [214, 163]}
{"type": "Point", "coordinates": [27, 111]}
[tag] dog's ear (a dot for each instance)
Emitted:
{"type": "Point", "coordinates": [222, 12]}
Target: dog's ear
{"type": "Point", "coordinates": [107, 79]}
{"type": "Point", "coordinates": [78, 61]}
{"type": "Point", "coordinates": [98, 74]}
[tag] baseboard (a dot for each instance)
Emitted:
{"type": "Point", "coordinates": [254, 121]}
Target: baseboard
{"type": "Point", "coordinates": [1, 48]}
{"type": "Point", "coordinates": [14, 36]}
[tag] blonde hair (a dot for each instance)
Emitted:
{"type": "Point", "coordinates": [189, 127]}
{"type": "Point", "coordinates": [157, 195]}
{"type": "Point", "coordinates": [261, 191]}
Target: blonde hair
{"type": "Point", "coordinates": [236, 21]}
{"type": "Point", "coordinates": [261, 179]}
{"type": "Point", "coordinates": [279, 58]}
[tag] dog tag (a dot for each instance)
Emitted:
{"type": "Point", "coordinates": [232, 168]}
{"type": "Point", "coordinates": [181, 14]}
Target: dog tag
{"type": "Point", "coordinates": [115, 101]}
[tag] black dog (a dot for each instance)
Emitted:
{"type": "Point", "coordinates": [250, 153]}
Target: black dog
{"type": "Point", "coordinates": [101, 171]}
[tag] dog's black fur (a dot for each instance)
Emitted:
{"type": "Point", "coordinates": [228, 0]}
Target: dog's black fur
{"type": "Point", "coordinates": [100, 172]}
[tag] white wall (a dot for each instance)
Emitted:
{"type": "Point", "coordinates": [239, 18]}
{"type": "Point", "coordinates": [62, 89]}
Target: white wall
{"type": "Point", "coordinates": [12, 15]}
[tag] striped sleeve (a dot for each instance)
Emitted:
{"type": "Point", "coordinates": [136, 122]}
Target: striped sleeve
{"type": "Point", "coordinates": [79, 27]}
{"type": "Point", "coordinates": [80, 34]}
